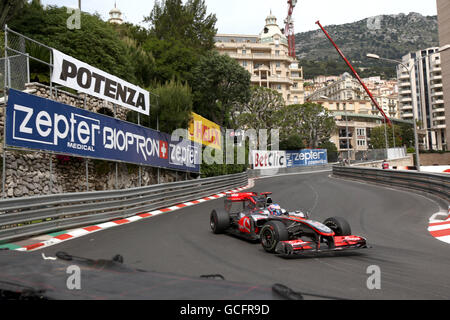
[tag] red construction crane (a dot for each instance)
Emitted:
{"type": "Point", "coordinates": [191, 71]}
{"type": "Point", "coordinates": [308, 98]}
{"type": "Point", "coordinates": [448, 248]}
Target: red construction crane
{"type": "Point", "coordinates": [289, 28]}
{"type": "Point", "coordinates": [386, 119]}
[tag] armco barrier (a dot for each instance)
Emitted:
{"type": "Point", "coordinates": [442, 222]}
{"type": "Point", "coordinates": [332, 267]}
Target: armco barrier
{"type": "Point", "coordinates": [436, 184]}
{"type": "Point", "coordinates": [24, 217]}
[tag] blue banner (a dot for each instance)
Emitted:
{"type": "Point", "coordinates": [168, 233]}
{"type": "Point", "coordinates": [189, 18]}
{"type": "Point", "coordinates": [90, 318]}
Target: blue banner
{"type": "Point", "coordinates": [37, 123]}
{"type": "Point", "coordinates": [307, 157]}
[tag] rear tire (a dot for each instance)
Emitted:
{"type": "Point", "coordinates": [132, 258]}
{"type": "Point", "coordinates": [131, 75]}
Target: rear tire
{"type": "Point", "coordinates": [219, 221]}
{"type": "Point", "coordinates": [339, 225]}
{"type": "Point", "coordinates": [272, 233]}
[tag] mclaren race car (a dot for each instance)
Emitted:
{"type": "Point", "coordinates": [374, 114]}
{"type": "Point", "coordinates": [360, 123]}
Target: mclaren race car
{"type": "Point", "coordinates": [255, 217]}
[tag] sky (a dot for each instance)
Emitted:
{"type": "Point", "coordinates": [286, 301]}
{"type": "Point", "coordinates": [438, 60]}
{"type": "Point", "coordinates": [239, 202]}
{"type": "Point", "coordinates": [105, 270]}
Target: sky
{"type": "Point", "coordinates": [248, 16]}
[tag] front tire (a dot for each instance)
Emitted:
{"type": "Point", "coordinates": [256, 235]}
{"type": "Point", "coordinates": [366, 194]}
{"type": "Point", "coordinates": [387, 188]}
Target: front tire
{"type": "Point", "coordinates": [339, 225]}
{"type": "Point", "coordinates": [272, 233]}
{"type": "Point", "coordinates": [219, 221]}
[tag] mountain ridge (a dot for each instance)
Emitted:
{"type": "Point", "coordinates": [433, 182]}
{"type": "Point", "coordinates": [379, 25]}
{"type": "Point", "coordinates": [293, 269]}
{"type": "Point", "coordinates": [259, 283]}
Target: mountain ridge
{"type": "Point", "coordinates": [389, 36]}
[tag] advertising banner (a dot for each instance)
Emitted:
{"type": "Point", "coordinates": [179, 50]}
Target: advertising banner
{"type": "Point", "coordinates": [204, 131]}
{"type": "Point", "coordinates": [37, 123]}
{"type": "Point", "coordinates": [307, 157]}
{"type": "Point", "coordinates": [75, 74]}
{"type": "Point", "coordinates": [268, 159]}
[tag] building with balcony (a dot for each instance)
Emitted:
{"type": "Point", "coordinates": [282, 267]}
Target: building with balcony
{"type": "Point", "coordinates": [423, 95]}
{"type": "Point", "coordinates": [345, 88]}
{"type": "Point", "coordinates": [443, 110]}
{"type": "Point", "coordinates": [266, 58]}
{"type": "Point", "coordinates": [355, 120]}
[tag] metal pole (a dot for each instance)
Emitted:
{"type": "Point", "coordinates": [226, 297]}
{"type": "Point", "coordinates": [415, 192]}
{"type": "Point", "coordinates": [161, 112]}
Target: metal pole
{"type": "Point", "coordinates": [139, 166]}
{"type": "Point", "coordinates": [393, 134]}
{"type": "Point", "coordinates": [386, 140]}
{"type": "Point", "coordinates": [117, 168]}
{"type": "Point", "coordinates": [51, 72]}
{"type": "Point", "coordinates": [28, 68]}
{"type": "Point", "coordinates": [346, 133]}
{"type": "Point", "coordinates": [86, 160]}
{"type": "Point", "coordinates": [5, 93]}
{"type": "Point", "coordinates": [87, 174]}
{"type": "Point", "coordinates": [416, 138]}
{"type": "Point", "coordinates": [51, 173]}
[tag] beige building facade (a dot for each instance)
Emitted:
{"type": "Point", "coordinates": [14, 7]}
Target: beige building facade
{"type": "Point", "coordinates": [358, 117]}
{"type": "Point", "coordinates": [443, 10]}
{"type": "Point", "coordinates": [266, 58]}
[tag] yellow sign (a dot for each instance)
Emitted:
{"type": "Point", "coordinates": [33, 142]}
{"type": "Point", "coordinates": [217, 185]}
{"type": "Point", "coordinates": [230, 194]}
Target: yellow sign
{"type": "Point", "coordinates": [204, 131]}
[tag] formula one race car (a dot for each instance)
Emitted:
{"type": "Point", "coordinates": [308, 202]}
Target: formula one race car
{"type": "Point", "coordinates": [255, 217]}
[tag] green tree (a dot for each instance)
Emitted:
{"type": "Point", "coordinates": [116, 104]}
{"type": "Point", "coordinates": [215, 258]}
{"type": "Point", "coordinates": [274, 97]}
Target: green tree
{"type": "Point", "coordinates": [9, 9]}
{"type": "Point", "coordinates": [403, 135]}
{"type": "Point", "coordinates": [311, 121]}
{"type": "Point", "coordinates": [332, 150]}
{"type": "Point", "coordinates": [172, 60]}
{"type": "Point", "coordinates": [219, 84]}
{"type": "Point", "coordinates": [174, 106]}
{"type": "Point", "coordinates": [189, 23]}
{"type": "Point", "coordinates": [171, 107]}
{"type": "Point", "coordinates": [262, 110]}
{"type": "Point", "coordinates": [292, 142]}
{"type": "Point", "coordinates": [96, 42]}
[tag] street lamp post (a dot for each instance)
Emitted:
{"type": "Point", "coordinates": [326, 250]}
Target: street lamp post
{"type": "Point", "coordinates": [410, 70]}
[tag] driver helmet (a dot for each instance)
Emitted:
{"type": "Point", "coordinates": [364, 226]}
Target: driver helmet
{"type": "Point", "coordinates": [275, 210]}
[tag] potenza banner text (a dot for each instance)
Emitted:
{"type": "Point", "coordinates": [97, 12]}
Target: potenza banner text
{"type": "Point", "coordinates": [37, 123]}
{"type": "Point", "coordinates": [75, 74]}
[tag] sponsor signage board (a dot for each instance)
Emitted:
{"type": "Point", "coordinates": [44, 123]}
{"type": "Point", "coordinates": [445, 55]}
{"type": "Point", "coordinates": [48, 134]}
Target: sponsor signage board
{"type": "Point", "coordinates": [75, 74]}
{"type": "Point", "coordinates": [307, 157]}
{"type": "Point", "coordinates": [204, 131]}
{"type": "Point", "coordinates": [268, 159]}
{"type": "Point", "coordinates": [37, 123]}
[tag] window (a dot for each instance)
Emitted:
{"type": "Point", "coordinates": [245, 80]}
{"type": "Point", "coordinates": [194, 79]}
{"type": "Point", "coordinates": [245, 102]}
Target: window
{"type": "Point", "coordinates": [278, 64]}
{"type": "Point", "coordinates": [361, 143]}
{"type": "Point", "coordinates": [244, 63]}
{"type": "Point", "coordinates": [244, 51]}
{"type": "Point", "coordinates": [277, 52]}
{"type": "Point", "coordinates": [361, 131]}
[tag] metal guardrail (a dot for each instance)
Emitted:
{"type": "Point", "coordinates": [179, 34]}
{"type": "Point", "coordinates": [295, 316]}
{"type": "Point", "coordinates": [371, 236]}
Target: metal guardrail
{"type": "Point", "coordinates": [24, 217]}
{"type": "Point", "coordinates": [436, 184]}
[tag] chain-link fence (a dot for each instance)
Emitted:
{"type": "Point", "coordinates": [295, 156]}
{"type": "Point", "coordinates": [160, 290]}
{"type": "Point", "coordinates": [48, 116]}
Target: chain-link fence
{"type": "Point", "coordinates": [18, 75]}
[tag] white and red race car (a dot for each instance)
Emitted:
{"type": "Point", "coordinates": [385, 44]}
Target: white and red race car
{"type": "Point", "coordinates": [253, 216]}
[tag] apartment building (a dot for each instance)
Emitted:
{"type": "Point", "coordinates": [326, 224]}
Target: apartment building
{"type": "Point", "coordinates": [354, 112]}
{"type": "Point", "coordinates": [358, 118]}
{"type": "Point", "coordinates": [443, 10]}
{"type": "Point", "coordinates": [266, 57]}
{"type": "Point", "coordinates": [347, 88]}
{"type": "Point", "coordinates": [421, 92]}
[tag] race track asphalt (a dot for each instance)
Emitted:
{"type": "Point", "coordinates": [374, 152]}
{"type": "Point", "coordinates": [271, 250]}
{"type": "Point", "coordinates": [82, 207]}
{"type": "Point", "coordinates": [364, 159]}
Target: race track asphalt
{"type": "Point", "coordinates": [412, 264]}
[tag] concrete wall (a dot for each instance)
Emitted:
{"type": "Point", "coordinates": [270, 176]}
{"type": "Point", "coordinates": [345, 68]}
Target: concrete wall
{"type": "Point", "coordinates": [402, 162]}
{"type": "Point", "coordinates": [432, 159]}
